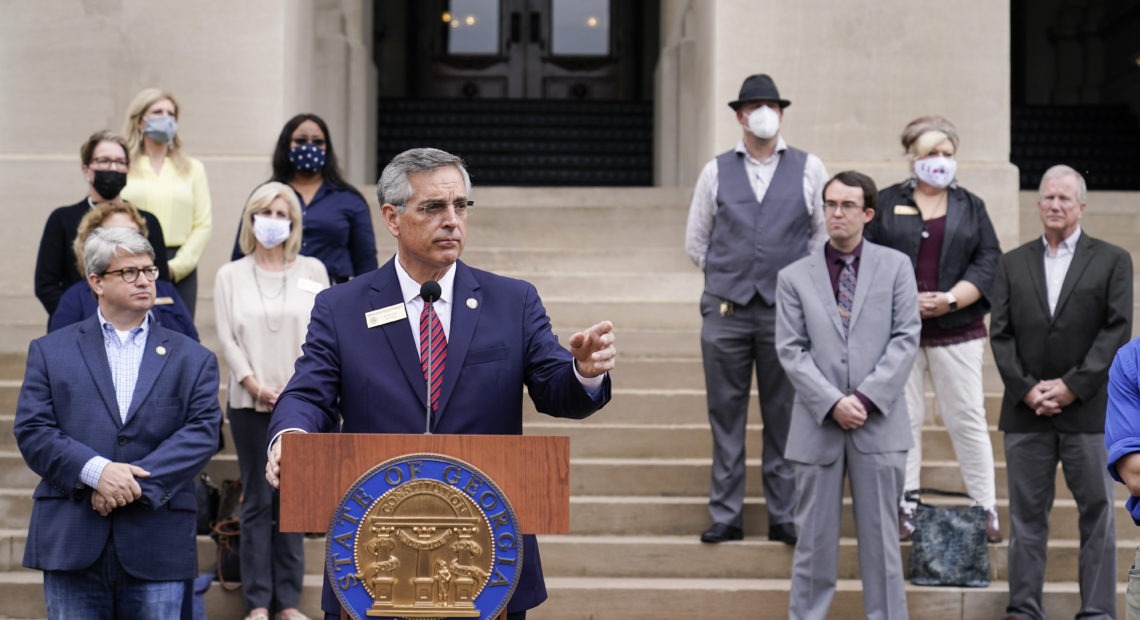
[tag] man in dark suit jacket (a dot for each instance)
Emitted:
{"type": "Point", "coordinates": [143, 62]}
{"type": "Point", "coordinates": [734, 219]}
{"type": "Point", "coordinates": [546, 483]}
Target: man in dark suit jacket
{"type": "Point", "coordinates": [1062, 306]}
{"type": "Point", "coordinates": [104, 157]}
{"type": "Point", "coordinates": [117, 415]}
{"type": "Point", "coordinates": [361, 372]}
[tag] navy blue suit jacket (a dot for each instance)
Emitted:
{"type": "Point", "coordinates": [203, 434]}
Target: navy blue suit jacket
{"type": "Point", "coordinates": [494, 348]}
{"type": "Point", "coordinates": [67, 413]}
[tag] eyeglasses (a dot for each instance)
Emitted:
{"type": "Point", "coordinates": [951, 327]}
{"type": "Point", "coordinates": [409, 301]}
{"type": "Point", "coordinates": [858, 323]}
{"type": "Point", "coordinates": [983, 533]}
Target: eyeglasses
{"type": "Point", "coordinates": [317, 142]}
{"type": "Point", "coordinates": [130, 274]}
{"type": "Point", "coordinates": [435, 210]}
{"type": "Point", "coordinates": [107, 162]}
{"type": "Point", "coordinates": [846, 207]}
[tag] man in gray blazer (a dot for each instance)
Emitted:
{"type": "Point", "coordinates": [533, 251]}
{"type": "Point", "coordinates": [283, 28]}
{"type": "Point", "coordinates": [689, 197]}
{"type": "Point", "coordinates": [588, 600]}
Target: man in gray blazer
{"type": "Point", "coordinates": [1062, 306]}
{"type": "Point", "coordinates": [847, 334]}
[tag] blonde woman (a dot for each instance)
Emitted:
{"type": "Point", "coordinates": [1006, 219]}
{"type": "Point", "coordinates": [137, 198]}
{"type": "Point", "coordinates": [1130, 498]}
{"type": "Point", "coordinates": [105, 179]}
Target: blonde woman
{"type": "Point", "coordinates": [947, 234]}
{"type": "Point", "coordinates": [262, 304]}
{"type": "Point", "coordinates": [172, 186]}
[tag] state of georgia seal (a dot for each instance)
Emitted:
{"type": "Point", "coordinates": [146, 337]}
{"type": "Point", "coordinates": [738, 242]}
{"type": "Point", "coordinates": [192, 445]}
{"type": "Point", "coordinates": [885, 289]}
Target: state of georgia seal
{"type": "Point", "coordinates": [423, 536]}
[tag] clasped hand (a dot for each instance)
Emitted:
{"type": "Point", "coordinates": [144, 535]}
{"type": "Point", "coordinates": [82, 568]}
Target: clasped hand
{"type": "Point", "coordinates": [117, 487]}
{"type": "Point", "coordinates": [1049, 397]}
{"type": "Point", "coordinates": [849, 413]}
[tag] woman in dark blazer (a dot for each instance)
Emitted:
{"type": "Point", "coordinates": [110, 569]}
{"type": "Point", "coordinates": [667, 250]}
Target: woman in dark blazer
{"type": "Point", "coordinates": [947, 234]}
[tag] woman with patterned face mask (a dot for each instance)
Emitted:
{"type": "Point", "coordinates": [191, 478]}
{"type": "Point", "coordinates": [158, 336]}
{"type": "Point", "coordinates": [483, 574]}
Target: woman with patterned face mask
{"type": "Point", "coordinates": [164, 181]}
{"type": "Point", "coordinates": [949, 238]}
{"type": "Point", "coordinates": [262, 304]}
{"type": "Point", "coordinates": [338, 227]}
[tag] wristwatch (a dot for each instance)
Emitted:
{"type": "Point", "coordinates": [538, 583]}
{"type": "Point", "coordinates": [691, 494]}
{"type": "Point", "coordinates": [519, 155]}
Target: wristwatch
{"type": "Point", "coordinates": [952, 300]}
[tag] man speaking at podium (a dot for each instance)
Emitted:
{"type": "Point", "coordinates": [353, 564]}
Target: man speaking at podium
{"type": "Point", "coordinates": [364, 364]}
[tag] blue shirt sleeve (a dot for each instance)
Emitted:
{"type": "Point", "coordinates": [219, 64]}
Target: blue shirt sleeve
{"type": "Point", "coordinates": [1122, 417]}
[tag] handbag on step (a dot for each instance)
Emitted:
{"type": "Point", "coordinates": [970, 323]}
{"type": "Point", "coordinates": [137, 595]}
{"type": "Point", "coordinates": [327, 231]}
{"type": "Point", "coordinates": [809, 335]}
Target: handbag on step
{"type": "Point", "coordinates": [949, 545]}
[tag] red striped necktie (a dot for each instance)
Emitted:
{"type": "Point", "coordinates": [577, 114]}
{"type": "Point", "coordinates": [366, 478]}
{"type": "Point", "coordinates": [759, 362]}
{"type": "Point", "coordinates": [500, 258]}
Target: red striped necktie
{"type": "Point", "coordinates": [432, 332]}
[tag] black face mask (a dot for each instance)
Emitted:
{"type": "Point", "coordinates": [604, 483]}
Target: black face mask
{"type": "Point", "coordinates": [108, 183]}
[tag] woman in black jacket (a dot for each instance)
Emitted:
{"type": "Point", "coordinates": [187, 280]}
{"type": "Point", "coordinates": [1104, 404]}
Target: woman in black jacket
{"type": "Point", "coordinates": [949, 238]}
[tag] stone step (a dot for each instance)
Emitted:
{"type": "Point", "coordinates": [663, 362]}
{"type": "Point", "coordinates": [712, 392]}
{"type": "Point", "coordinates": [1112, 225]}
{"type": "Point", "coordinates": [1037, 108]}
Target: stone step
{"type": "Point", "coordinates": [553, 260]}
{"type": "Point", "coordinates": [689, 406]}
{"type": "Point", "coordinates": [684, 516]}
{"type": "Point", "coordinates": [665, 557]}
{"type": "Point", "coordinates": [672, 476]}
{"type": "Point", "coordinates": [683, 599]}
{"type": "Point", "coordinates": [634, 515]}
{"type": "Point", "coordinates": [606, 598]}
{"type": "Point", "coordinates": [678, 557]}
{"type": "Point", "coordinates": [599, 436]}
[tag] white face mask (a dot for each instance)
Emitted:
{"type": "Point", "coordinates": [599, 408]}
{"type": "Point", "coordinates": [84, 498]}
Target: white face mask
{"type": "Point", "coordinates": [269, 231]}
{"type": "Point", "coordinates": [764, 123]}
{"type": "Point", "coordinates": [937, 171]}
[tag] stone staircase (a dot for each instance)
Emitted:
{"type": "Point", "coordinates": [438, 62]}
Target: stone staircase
{"type": "Point", "coordinates": [640, 467]}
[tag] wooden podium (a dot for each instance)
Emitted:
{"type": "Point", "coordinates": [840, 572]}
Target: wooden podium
{"type": "Point", "coordinates": [532, 471]}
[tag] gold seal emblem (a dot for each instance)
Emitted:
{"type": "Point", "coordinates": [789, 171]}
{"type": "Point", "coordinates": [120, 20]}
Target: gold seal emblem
{"type": "Point", "coordinates": [428, 552]}
{"type": "Point", "coordinates": [429, 537]}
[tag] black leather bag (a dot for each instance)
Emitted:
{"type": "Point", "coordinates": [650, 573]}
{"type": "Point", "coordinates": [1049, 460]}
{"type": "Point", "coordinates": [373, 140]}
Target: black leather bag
{"type": "Point", "coordinates": [949, 547]}
{"type": "Point", "coordinates": [207, 494]}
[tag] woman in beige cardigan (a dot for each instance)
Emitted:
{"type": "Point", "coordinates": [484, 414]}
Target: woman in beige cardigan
{"type": "Point", "coordinates": [262, 304]}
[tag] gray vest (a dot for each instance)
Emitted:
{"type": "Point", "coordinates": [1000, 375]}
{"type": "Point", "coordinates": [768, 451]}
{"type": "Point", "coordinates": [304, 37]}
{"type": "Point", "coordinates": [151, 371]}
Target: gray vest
{"type": "Point", "coordinates": [751, 242]}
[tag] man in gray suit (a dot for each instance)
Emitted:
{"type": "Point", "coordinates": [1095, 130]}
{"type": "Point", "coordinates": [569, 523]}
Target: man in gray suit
{"type": "Point", "coordinates": [847, 334]}
{"type": "Point", "coordinates": [1062, 306]}
{"type": "Point", "coordinates": [755, 209]}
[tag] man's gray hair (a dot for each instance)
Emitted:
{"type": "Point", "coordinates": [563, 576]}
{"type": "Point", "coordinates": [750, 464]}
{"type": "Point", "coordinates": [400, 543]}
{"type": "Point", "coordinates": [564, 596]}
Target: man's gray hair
{"type": "Point", "coordinates": [103, 243]}
{"type": "Point", "coordinates": [393, 187]}
{"type": "Point", "coordinates": [1061, 170]}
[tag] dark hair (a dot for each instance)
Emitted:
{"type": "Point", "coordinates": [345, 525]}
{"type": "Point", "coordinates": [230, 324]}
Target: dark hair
{"type": "Point", "coordinates": [87, 149]}
{"type": "Point", "coordinates": [851, 178]}
{"type": "Point", "coordinates": [283, 171]}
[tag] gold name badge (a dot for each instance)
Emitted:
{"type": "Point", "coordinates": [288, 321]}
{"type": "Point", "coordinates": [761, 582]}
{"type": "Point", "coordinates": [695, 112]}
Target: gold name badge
{"type": "Point", "coordinates": [383, 316]}
{"type": "Point", "coordinates": [905, 210]}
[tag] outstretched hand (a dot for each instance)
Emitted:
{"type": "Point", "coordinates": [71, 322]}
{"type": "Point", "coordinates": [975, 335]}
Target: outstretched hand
{"type": "Point", "coordinates": [593, 350]}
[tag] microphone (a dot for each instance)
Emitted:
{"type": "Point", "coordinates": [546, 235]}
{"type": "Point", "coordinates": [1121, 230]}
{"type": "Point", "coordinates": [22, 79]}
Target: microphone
{"type": "Point", "coordinates": [429, 292]}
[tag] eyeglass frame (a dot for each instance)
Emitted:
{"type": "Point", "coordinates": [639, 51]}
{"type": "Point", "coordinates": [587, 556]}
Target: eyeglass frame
{"type": "Point", "coordinates": [107, 162]}
{"type": "Point", "coordinates": [151, 273]}
{"type": "Point", "coordinates": [843, 207]}
{"type": "Point", "coordinates": [434, 210]}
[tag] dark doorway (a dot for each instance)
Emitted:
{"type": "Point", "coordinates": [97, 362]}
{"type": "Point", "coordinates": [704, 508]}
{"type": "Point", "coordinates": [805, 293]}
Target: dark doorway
{"type": "Point", "coordinates": [528, 92]}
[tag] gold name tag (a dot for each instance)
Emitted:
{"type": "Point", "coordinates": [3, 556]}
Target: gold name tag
{"type": "Point", "coordinates": [383, 316]}
{"type": "Point", "coordinates": [905, 210]}
{"type": "Point", "coordinates": [163, 301]}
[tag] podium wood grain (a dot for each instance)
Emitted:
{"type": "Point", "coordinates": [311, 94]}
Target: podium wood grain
{"type": "Point", "coordinates": [532, 471]}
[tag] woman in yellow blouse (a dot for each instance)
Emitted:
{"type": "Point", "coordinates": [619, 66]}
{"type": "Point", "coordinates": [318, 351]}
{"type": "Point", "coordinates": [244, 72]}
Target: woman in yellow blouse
{"type": "Point", "coordinates": [172, 186]}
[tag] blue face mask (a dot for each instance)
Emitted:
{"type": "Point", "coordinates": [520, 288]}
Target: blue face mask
{"type": "Point", "coordinates": [307, 158]}
{"type": "Point", "coordinates": [161, 128]}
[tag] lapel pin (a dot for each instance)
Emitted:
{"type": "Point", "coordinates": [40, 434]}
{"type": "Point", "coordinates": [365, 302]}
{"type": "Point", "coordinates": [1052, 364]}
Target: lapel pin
{"type": "Point", "coordinates": [472, 303]}
{"type": "Point", "coordinates": [161, 350]}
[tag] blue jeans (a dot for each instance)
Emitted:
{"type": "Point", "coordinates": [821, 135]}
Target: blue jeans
{"type": "Point", "coordinates": [105, 592]}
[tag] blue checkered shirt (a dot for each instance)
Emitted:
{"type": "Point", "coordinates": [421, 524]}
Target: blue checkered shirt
{"type": "Point", "coordinates": [124, 355]}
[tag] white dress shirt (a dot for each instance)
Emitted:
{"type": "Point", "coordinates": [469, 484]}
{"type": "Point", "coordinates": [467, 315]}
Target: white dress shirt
{"type": "Point", "coordinates": [1057, 266]}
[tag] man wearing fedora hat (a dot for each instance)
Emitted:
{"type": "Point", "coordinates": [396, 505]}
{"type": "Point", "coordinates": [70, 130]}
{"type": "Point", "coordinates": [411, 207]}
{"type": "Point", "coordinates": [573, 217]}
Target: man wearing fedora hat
{"type": "Point", "coordinates": [755, 209]}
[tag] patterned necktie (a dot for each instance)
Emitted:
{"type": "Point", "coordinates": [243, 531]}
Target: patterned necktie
{"type": "Point", "coordinates": [846, 290]}
{"type": "Point", "coordinates": [434, 334]}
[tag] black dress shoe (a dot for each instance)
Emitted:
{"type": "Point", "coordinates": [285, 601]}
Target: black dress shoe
{"type": "Point", "coordinates": [783, 532]}
{"type": "Point", "coordinates": [720, 532]}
